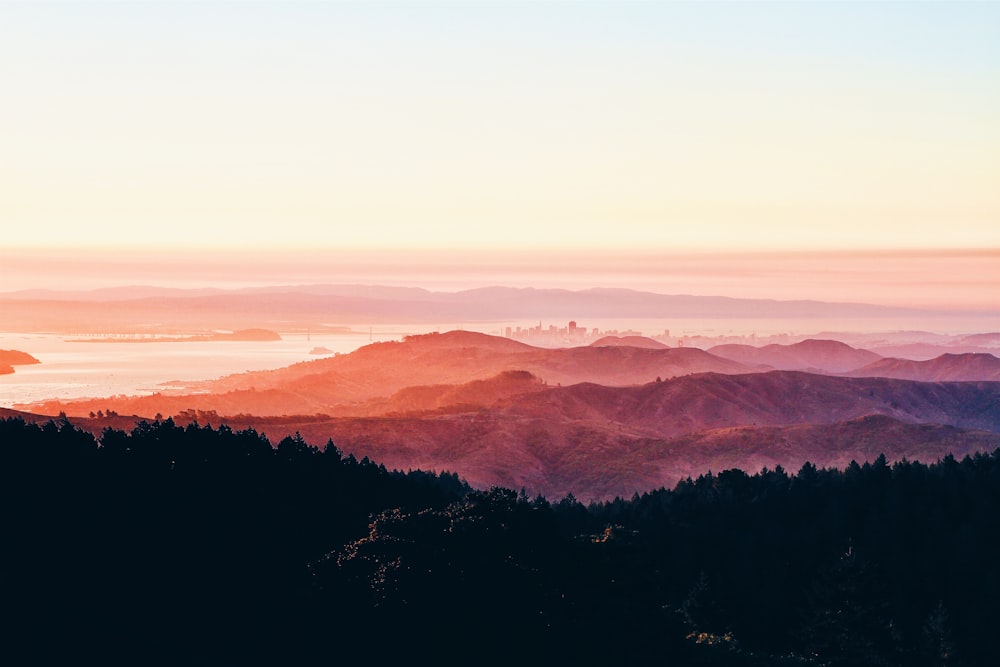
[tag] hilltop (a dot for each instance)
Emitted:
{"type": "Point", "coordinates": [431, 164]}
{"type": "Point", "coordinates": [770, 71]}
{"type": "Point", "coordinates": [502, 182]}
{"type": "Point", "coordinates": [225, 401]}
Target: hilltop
{"type": "Point", "coordinates": [628, 341]}
{"type": "Point", "coordinates": [947, 367]}
{"type": "Point", "coordinates": [822, 355]}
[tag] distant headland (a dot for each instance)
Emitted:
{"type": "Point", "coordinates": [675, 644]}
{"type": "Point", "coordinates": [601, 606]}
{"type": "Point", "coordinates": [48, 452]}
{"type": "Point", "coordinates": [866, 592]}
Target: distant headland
{"type": "Point", "coordinates": [11, 358]}
{"type": "Point", "coordinates": [240, 335]}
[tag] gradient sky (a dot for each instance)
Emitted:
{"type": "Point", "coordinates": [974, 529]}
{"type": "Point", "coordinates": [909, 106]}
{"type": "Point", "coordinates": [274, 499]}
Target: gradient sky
{"type": "Point", "coordinates": [584, 125]}
{"type": "Point", "coordinates": [439, 140]}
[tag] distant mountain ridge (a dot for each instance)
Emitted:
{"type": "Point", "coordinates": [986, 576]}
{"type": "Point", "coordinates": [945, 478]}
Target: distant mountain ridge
{"type": "Point", "coordinates": [826, 355]}
{"type": "Point", "coordinates": [597, 460]}
{"type": "Point", "coordinates": [274, 306]}
{"type": "Point", "coordinates": [947, 367]}
{"type": "Point", "coordinates": [711, 400]}
{"type": "Point", "coordinates": [474, 394]}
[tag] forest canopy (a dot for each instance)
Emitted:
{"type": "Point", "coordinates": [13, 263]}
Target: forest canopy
{"type": "Point", "coordinates": [208, 545]}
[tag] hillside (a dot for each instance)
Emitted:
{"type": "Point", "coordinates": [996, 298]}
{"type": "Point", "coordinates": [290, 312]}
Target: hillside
{"type": "Point", "coordinates": [821, 355]}
{"type": "Point", "coordinates": [599, 460]}
{"type": "Point", "coordinates": [829, 445]}
{"type": "Point", "coordinates": [169, 544]}
{"type": "Point", "coordinates": [592, 439]}
{"type": "Point", "coordinates": [945, 368]}
{"type": "Point", "coordinates": [628, 341]}
{"type": "Point", "coordinates": [475, 394]}
{"type": "Point", "coordinates": [597, 441]}
{"type": "Point", "coordinates": [345, 383]}
{"type": "Point", "coordinates": [595, 421]}
{"type": "Point", "coordinates": [705, 401]}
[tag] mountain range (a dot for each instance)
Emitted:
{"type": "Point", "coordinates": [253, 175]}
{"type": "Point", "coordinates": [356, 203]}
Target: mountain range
{"type": "Point", "coordinates": [968, 366]}
{"type": "Point", "coordinates": [603, 420]}
{"type": "Point", "coordinates": [823, 355]}
{"type": "Point", "coordinates": [314, 305]}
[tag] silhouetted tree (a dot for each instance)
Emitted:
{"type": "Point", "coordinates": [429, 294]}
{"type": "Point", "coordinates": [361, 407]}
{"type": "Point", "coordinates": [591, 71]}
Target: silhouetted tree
{"type": "Point", "coordinates": [847, 623]}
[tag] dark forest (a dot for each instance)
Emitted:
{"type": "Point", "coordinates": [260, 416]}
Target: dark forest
{"type": "Point", "coordinates": [206, 545]}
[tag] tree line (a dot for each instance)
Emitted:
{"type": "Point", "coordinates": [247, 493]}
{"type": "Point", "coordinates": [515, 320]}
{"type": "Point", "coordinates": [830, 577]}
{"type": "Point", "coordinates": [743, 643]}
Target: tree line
{"type": "Point", "coordinates": [206, 545]}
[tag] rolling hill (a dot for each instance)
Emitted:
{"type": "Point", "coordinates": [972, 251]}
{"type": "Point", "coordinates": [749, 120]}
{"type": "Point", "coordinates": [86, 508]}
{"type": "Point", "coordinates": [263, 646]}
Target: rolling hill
{"type": "Point", "coordinates": [343, 383]}
{"type": "Point", "coordinates": [589, 439]}
{"type": "Point", "coordinates": [597, 441]}
{"type": "Point", "coordinates": [628, 341]}
{"type": "Point", "coordinates": [820, 355]}
{"type": "Point", "coordinates": [594, 421]}
{"type": "Point", "coordinates": [944, 368]}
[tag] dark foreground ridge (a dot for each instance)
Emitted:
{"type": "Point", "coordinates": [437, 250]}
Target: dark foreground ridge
{"type": "Point", "coordinates": [208, 546]}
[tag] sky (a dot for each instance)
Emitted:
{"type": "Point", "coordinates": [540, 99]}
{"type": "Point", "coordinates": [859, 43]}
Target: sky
{"type": "Point", "coordinates": [596, 130]}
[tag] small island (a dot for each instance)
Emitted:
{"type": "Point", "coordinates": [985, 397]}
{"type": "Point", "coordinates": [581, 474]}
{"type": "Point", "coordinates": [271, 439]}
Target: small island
{"type": "Point", "coordinates": [11, 358]}
{"type": "Point", "coordinates": [321, 350]}
{"type": "Point", "coordinates": [244, 335]}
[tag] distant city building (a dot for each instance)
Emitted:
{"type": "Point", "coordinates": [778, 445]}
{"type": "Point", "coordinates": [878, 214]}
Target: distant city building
{"type": "Point", "coordinates": [573, 334]}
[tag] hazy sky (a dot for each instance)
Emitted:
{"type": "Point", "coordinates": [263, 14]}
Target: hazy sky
{"type": "Point", "coordinates": [569, 125]}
